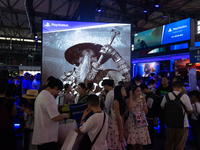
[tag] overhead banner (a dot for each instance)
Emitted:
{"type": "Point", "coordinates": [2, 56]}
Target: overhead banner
{"type": "Point", "coordinates": [195, 55]}
{"type": "Point", "coordinates": [170, 33]}
{"type": "Point", "coordinates": [176, 32]}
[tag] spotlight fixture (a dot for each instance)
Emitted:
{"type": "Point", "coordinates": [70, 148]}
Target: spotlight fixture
{"type": "Point", "coordinates": [99, 9]}
{"type": "Point", "coordinates": [145, 11]}
{"type": "Point", "coordinates": [164, 15]}
{"type": "Point", "coordinates": [157, 6]}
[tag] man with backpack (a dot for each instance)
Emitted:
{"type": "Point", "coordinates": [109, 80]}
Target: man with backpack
{"type": "Point", "coordinates": [176, 105]}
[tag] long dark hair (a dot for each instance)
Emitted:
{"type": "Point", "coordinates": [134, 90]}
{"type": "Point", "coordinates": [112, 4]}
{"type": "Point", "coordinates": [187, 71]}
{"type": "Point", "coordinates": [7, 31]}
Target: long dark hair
{"type": "Point", "coordinates": [134, 88]}
{"type": "Point", "coordinates": [195, 93]}
{"type": "Point", "coordinates": [119, 98]}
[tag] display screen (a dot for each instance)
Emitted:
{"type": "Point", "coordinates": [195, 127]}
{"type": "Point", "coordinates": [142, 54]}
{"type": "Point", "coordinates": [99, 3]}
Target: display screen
{"type": "Point", "coordinates": [176, 32]}
{"type": "Point", "coordinates": [179, 46]}
{"type": "Point", "coordinates": [181, 67]}
{"type": "Point", "coordinates": [170, 33]}
{"type": "Point", "coordinates": [145, 69]}
{"type": "Point", "coordinates": [86, 52]}
{"type": "Point", "coordinates": [61, 100]}
{"type": "Point", "coordinates": [148, 38]}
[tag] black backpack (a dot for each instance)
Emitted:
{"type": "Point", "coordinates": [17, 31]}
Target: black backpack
{"type": "Point", "coordinates": [173, 111]}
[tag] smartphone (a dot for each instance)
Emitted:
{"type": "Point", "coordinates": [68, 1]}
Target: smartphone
{"type": "Point", "coordinates": [20, 107]}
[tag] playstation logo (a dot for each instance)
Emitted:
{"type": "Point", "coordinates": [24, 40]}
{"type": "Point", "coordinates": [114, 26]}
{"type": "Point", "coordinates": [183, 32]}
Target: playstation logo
{"type": "Point", "coordinates": [170, 30]}
{"type": "Point", "coordinates": [47, 25]}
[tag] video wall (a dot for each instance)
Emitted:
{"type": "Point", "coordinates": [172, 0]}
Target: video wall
{"type": "Point", "coordinates": [86, 52]}
{"type": "Point", "coordinates": [145, 69]}
{"type": "Point", "coordinates": [170, 33]}
{"type": "Point", "coordinates": [181, 67]}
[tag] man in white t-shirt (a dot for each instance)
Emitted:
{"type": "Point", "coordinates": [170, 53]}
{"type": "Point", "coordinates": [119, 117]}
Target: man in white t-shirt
{"type": "Point", "coordinates": [47, 117]}
{"type": "Point", "coordinates": [94, 123]}
{"type": "Point", "coordinates": [177, 136]}
{"type": "Point", "coordinates": [108, 85]}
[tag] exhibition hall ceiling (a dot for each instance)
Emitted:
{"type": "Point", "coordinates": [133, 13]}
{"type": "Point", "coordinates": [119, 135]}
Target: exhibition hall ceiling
{"type": "Point", "coordinates": [23, 18]}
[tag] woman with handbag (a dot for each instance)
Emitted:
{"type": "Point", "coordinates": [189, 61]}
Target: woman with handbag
{"type": "Point", "coordinates": [136, 124]}
{"type": "Point", "coordinates": [195, 117]}
{"type": "Point", "coordinates": [116, 131]}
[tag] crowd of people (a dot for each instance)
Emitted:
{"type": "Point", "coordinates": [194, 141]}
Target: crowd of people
{"type": "Point", "coordinates": [118, 118]}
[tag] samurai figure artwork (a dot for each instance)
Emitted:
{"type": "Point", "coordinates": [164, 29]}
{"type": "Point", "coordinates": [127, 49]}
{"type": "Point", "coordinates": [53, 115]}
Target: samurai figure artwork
{"type": "Point", "coordinates": [88, 58]}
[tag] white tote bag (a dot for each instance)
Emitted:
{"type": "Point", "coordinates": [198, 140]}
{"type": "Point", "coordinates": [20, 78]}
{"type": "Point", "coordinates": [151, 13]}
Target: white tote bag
{"type": "Point", "coordinates": [69, 141]}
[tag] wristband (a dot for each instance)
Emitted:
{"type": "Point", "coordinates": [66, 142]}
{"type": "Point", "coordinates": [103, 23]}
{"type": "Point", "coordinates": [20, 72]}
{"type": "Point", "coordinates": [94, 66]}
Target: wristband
{"type": "Point", "coordinates": [144, 105]}
{"type": "Point", "coordinates": [82, 120]}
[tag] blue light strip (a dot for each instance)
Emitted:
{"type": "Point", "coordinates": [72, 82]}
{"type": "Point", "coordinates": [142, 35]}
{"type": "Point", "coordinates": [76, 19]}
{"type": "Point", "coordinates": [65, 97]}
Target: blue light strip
{"type": "Point", "coordinates": [16, 125]}
{"type": "Point", "coordinates": [179, 46]}
{"type": "Point", "coordinates": [197, 44]}
{"type": "Point", "coordinates": [161, 58]}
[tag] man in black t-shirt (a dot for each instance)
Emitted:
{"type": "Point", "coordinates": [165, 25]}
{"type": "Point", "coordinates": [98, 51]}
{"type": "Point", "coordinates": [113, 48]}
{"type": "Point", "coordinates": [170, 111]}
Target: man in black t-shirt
{"type": "Point", "coordinates": [150, 99]}
{"type": "Point", "coordinates": [163, 89]}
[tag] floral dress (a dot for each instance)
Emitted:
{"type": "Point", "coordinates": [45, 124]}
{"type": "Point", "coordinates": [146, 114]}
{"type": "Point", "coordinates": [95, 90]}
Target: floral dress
{"type": "Point", "coordinates": [136, 135]}
{"type": "Point", "coordinates": [113, 133]}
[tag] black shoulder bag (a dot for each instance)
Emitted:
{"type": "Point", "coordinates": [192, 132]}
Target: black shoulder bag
{"type": "Point", "coordinates": [86, 144]}
{"type": "Point", "coordinates": [198, 114]}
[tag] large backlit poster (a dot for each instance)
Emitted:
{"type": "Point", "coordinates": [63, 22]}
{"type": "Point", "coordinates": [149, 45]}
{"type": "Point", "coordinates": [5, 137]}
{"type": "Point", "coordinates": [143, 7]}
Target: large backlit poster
{"type": "Point", "coordinates": [86, 52]}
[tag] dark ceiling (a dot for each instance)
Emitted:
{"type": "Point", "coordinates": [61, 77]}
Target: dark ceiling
{"type": "Point", "coordinates": [22, 18]}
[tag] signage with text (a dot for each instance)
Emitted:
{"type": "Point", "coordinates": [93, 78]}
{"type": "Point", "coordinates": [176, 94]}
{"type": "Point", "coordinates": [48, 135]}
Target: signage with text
{"type": "Point", "coordinates": [170, 33]}
{"type": "Point", "coordinates": [195, 56]}
{"type": "Point", "coordinates": [177, 31]}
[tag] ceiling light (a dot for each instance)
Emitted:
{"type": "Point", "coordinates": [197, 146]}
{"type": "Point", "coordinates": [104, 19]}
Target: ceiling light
{"type": "Point", "coordinates": [99, 9]}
